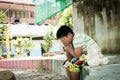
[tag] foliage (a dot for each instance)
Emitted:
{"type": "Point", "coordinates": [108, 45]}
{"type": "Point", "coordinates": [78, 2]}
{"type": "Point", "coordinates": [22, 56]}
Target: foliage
{"type": "Point", "coordinates": [47, 43]}
{"type": "Point", "coordinates": [2, 30]}
{"type": "Point", "coordinates": [66, 17]}
{"type": "Point", "coordinates": [2, 17]}
{"type": "Point", "coordinates": [2, 22]}
{"type": "Point", "coordinates": [28, 46]}
{"type": "Point", "coordinates": [18, 43]}
{"type": "Point", "coordinates": [40, 68]}
{"type": "Point", "coordinates": [22, 43]}
{"type": "Point", "coordinates": [0, 52]}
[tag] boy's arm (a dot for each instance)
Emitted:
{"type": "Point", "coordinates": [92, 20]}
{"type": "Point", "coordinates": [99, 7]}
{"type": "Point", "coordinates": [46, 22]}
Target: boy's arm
{"type": "Point", "coordinates": [68, 55]}
{"type": "Point", "coordinates": [76, 52]}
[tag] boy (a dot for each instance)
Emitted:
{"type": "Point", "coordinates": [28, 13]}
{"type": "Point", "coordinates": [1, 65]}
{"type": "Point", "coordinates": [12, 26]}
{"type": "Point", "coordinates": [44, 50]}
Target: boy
{"type": "Point", "coordinates": [76, 46]}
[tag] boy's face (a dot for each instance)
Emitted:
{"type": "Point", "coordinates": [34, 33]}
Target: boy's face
{"type": "Point", "coordinates": [67, 40]}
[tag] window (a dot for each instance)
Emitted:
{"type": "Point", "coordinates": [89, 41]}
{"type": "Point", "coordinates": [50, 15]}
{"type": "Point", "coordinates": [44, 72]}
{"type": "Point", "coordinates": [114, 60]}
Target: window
{"type": "Point", "coordinates": [22, 14]}
{"type": "Point", "coordinates": [10, 13]}
{"type": "Point", "coordinates": [26, 15]}
{"type": "Point", "coordinates": [31, 14]}
{"type": "Point", "coordinates": [18, 14]}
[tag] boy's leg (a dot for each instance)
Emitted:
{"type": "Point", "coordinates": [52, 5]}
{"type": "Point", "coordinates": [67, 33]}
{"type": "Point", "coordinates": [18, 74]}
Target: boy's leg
{"type": "Point", "coordinates": [75, 75]}
{"type": "Point", "coordinates": [69, 74]}
{"type": "Point", "coordinates": [74, 71]}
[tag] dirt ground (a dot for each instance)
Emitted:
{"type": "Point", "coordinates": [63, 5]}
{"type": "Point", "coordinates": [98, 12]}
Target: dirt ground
{"type": "Point", "coordinates": [37, 75]}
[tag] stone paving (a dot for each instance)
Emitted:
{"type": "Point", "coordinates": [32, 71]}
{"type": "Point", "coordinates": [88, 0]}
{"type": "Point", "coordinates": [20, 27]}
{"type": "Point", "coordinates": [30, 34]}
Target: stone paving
{"type": "Point", "coordinates": [36, 75]}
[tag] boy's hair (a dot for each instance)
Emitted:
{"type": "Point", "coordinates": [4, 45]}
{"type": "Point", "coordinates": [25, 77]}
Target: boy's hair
{"type": "Point", "coordinates": [63, 31]}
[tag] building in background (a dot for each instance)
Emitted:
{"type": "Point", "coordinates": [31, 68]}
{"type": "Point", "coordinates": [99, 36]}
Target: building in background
{"type": "Point", "coordinates": [18, 10]}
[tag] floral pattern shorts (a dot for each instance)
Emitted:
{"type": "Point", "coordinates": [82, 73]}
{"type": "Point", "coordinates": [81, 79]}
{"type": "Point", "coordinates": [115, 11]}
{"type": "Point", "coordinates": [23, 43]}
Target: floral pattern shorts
{"type": "Point", "coordinates": [72, 66]}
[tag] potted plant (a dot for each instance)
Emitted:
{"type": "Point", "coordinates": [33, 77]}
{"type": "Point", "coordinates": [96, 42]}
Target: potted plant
{"type": "Point", "coordinates": [18, 44]}
{"type": "Point", "coordinates": [28, 46]}
{"type": "Point", "coordinates": [47, 43]}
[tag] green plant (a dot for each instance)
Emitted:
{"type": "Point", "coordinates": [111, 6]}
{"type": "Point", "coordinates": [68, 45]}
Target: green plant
{"type": "Point", "coordinates": [18, 44]}
{"type": "Point", "coordinates": [47, 43]}
{"type": "Point", "coordinates": [66, 18]}
{"type": "Point", "coordinates": [0, 52]}
{"type": "Point", "coordinates": [2, 30]}
{"type": "Point", "coordinates": [2, 26]}
{"type": "Point", "coordinates": [28, 46]}
{"type": "Point", "coordinates": [2, 17]}
{"type": "Point", "coordinates": [22, 43]}
{"type": "Point", "coordinates": [40, 68]}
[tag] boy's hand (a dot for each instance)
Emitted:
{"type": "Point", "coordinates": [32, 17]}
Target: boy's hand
{"type": "Point", "coordinates": [64, 41]}
{"type": "Point", "coordinates": [65, 44]}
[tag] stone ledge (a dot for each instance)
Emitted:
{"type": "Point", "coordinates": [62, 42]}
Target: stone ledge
{"type": "Point", "coordinates": [103, 72]}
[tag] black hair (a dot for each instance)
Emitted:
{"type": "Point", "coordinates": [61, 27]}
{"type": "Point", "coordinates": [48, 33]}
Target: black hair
{"type": "Point", "coordinates": [63, 31]}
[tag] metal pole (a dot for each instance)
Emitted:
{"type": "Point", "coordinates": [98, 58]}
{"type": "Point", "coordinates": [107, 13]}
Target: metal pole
{"type": "Point", "coordinates": [7, 41]}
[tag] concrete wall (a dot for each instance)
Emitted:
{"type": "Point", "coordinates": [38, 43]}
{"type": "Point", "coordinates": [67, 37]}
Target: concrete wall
{"type": "Point", "coordinates": [54, 65]}
{"type": "Point", "coordinates": [100, 20]}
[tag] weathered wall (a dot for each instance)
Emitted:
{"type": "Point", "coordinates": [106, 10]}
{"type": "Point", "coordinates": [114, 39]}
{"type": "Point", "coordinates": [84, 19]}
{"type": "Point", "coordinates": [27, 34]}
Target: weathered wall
{"type": "Point", "coordinates": [100, 19]}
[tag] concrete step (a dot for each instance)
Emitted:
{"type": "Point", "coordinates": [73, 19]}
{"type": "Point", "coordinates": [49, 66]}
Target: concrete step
{"type": "Point", "coordinates": [111, 71]}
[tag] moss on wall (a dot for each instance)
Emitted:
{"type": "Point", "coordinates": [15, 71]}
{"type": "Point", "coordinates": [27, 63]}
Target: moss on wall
{"type": "Point", "coordinates": [100, 19]}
